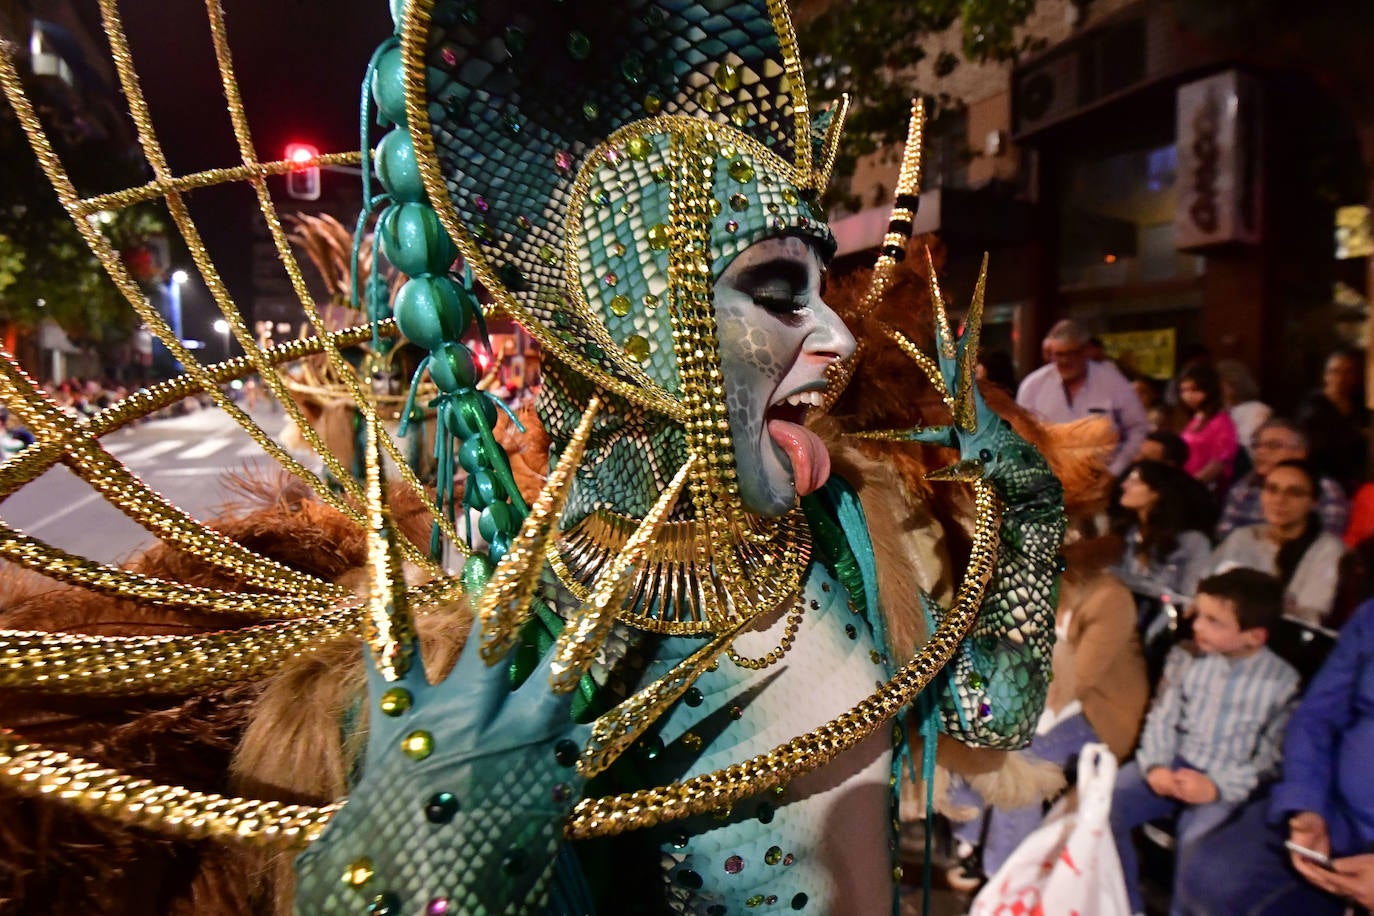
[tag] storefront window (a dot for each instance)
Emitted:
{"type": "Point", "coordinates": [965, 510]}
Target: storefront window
{"type": "Point", "coordinates": [1117, 220]}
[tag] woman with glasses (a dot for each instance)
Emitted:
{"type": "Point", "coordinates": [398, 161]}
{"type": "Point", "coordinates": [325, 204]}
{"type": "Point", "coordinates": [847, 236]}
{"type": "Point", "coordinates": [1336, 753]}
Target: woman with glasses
{"type": "Point", "coordinates": [1290, 542]}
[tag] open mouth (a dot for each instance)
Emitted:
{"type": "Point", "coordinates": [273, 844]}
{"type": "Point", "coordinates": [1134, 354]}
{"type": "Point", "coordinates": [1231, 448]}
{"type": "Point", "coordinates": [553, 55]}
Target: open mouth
{"type": "Point", "coordinates": [786, 421]}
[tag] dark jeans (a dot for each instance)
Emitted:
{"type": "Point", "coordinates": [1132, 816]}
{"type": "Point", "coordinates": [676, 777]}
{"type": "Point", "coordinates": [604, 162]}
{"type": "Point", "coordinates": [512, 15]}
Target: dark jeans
{"type": "Point", "coordinates": [1243, 870]}
{"type": "Point", "coordinates": [1135, 803]}
{"type": "Point", "coordinates": [1007, 827]}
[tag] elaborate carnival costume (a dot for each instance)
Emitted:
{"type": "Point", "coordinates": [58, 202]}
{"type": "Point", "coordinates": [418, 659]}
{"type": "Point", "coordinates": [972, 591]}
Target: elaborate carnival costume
{"type": "Point", "coordinates": [680, 692]}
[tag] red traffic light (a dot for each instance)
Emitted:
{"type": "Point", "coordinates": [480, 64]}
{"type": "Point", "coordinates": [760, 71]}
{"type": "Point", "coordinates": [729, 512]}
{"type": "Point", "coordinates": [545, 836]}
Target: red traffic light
{"type": "Point", "coordinates": [303, 180]}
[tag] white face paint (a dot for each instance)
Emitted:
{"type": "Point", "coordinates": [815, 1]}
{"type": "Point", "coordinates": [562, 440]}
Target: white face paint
{"type": "Point", "coordinates": [777, 337]}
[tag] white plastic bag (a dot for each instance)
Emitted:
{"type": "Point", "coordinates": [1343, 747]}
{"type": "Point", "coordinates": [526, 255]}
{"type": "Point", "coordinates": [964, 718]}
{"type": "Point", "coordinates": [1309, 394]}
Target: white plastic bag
{"type": "Point", "coordinates": [1067, 867]}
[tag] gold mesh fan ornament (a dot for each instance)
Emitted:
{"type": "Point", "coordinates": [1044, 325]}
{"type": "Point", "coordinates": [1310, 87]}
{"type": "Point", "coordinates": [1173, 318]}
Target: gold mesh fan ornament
{"type": "Point", "coordinates": [297, 610]}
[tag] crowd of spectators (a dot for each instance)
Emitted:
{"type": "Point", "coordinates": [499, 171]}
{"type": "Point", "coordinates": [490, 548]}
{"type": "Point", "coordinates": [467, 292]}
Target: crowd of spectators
{"type": "Point", "coordinates": [1232, 525]}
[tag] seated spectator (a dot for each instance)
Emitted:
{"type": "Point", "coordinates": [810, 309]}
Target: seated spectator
{"type": "Point", "coordinates": [1162, 556]}
{"type": "Point", "coordinates": [1280, 440]}
{"type": "Point", "coordinates": [1214, 731]}
{"type": "Point", "coordinates": [1289, 543]}
{"type": "Point", "coordinates": [1151, 394]}
{"type": "Point", "coordinates": [1325, 802]}
{"type": "Point", "coordinates": [1169, 448]}
{"type": "Point", "coordinates": [1209, 432]}
{"type": "Point", "coordinates": [1336, 420]}
{"type": "Point", "coordinates": [1240, 394]}
{"type": "Point", "coordinates": [1361, 525]}
{"type": "Point", "coordinates": [1098, 692]}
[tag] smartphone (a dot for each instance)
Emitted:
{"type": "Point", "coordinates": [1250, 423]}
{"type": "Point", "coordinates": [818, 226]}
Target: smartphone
{"type": "Point", "coordinates": [1310, 854]}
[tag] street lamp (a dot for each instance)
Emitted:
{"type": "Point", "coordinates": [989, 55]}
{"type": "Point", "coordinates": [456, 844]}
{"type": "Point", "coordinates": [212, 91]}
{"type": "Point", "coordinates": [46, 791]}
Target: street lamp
{"type": "Point", "coordinates": [222, 329]}
{"type": "Point", "coordinates": [179, 279]}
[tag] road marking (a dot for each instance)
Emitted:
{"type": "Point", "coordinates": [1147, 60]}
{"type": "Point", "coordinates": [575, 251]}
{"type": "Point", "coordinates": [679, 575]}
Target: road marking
{"type": "Point", "coordinates": [206, 448]}
{"type": "Point", "coordinates": [62, 513]}
{"type": "Point", "coordinates": [152, 450]}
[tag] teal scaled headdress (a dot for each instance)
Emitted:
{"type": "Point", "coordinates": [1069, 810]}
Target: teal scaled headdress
{"type": "Point", "coordinates": [598, 167]}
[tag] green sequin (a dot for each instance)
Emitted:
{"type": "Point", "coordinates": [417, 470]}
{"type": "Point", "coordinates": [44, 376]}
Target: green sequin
{"type": "Point", "coordinates": [547, 254]}
{"type": "Point", "coordinates": [727, 77]}
{"type": "Point", "coordinates": [579, 45]}
{"type": "Point", "coordinates": [620, 306]}
{"type": "Point", "coordinates": [659, 237]}
{"type": "Point", "coordinates": [739, 203]}
{"type": "Point", "coordinates": [741, 170]}
{"type": "Point", "coordinates": [789, 196]}
{"type": "Point", "coordinates": [639, 148]}
{"type": "Point", "coordinates": [773, 856]}
{"type": "Point", "coordinates": [638, 348]}
{"type": "Point", "coordinates": [652, 104]}
{"type": "Point", "coordinates": [651, 301]}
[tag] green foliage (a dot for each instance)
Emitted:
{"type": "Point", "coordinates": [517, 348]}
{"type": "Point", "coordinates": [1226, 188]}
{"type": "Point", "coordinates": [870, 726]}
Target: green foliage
{"type": "Point", "coordinates": [43, 258]}
{"type": "Point", "coordinates": [868, 47]}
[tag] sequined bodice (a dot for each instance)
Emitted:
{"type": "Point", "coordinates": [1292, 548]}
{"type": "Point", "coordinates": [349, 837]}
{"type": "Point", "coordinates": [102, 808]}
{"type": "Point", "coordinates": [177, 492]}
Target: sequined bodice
{"type": "Point", "coordinates": [820, 845]}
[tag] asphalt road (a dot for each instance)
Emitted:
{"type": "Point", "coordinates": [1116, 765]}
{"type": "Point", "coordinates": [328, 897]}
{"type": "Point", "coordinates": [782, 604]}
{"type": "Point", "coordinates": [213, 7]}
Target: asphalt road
{"type": "Point", "coordinates": [185, 458]}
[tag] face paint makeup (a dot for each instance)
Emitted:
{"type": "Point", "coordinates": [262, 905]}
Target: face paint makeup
{"type": "Point", "coordinates": [777, 337]}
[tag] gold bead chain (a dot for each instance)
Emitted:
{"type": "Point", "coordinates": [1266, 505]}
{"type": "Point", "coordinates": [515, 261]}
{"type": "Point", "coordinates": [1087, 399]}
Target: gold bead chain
{"type": "Point", "coordinates": [789, 635]}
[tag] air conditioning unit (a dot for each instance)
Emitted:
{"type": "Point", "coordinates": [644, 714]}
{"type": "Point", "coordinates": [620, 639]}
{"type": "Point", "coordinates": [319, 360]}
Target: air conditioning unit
{"type": "Point", "coordinates": [1046, 92]}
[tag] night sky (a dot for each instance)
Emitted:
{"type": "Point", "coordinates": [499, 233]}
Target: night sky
{"type": "Point", "coordinates": [299, 64]}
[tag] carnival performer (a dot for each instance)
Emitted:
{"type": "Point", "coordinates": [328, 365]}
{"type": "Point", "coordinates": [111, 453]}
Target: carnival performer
{"type": "Point", "coordinates": [682, 689]}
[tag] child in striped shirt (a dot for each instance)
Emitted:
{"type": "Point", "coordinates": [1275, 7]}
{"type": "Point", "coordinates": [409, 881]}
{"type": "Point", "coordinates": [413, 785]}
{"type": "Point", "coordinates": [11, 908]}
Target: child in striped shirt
{"type": "Point", "coordinates": [1215, 729]}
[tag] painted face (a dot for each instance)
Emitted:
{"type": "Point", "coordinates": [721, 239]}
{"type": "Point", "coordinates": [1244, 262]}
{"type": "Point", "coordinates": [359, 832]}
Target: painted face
{"type": "Point", "coordinates": [777, 337]}
{"type": "Point", "coordinates": [1216, 628]}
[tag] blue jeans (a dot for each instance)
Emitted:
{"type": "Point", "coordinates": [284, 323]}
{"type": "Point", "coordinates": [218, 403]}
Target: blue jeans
{"type": "Point", "coordinates": [1243, 870]}
{"type": "Point", "coordinates": [1135, 803]}
{"type": "Point", "coordinates": [1007, 827]}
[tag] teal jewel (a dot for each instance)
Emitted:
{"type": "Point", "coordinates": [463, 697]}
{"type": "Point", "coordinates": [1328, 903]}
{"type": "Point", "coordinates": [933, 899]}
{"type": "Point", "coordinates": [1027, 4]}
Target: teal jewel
{"type": "Point", "coordinates": [799, 902]}
{"type": "Point", "coordinates": [515, 861]}
{"type": "Point", "coordinates": [650, 747]}
{"type": "Point", "coordinates": [579, 45]}
{"type": "Point", "coordinates": [495, 518]}
{"type": "Point", "coordinates": [441, 808]}
{"type": "Point", "coordinates": [515, 41]}
{"type": "Point", "coordinates": [754, 901]}
{"type": "Point", "coordinates": [512, 122]}
{"type": "Point", "coordinates": [693, 697]}
{"type": "Point", "coordinates": [387, 904]}
{"type": "Point", "coordinates": [470, 15]}
{"type": "Point", "coordinates": [765, 812]}
{"type": "Point", "coordinates": [594, 351]}
{"type": "Point", "coordinates": [632, 68]}
{"type": "Point", "coordinates": [565, 752]}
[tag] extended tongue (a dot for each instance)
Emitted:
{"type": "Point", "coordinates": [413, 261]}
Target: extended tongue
{"type": "Point", "coordinates": [810, 460]}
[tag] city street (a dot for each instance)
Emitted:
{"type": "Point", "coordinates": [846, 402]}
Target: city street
{"type": "Point", "coordinates": [184, 458]}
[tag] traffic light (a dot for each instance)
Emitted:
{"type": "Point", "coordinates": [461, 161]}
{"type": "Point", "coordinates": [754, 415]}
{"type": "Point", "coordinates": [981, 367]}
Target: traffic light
{"type": "Point", "coordinates": [303, 180]}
